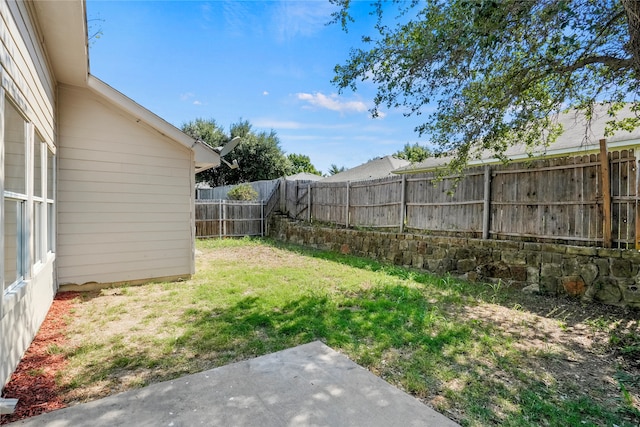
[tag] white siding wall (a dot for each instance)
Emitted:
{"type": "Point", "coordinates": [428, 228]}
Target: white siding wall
{"type": "Point", "coordinates": [125, 196]}
{"type": "Point", "coordinates": [23, 314]}
{"type": "Point", "coordinates": [25, 73]}
{"type": "Point", "coordinates": [27, 81]}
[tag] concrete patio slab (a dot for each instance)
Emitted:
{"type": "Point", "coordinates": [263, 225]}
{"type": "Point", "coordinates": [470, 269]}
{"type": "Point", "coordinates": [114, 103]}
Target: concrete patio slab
{"type": "Point", "coordinates": [308, 385]}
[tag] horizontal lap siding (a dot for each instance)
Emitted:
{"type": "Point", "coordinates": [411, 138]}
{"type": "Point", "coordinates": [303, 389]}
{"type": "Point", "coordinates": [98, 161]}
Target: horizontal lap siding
{"type": "Point", "coordinates": [27, 81]}
{"type": "Point", "coordinates": [25, 73]}
{"type": "Point", "coordinates": [124, 196]}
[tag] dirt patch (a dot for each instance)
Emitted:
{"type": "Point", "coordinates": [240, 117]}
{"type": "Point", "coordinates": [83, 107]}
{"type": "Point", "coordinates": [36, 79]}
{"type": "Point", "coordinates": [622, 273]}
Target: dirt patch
{"type": "Point", "coordinates": [34, 381]}
{"type": "Point", "coordinates": [260, 255]}
{"type": "Point", "coordinates": [574, 345]}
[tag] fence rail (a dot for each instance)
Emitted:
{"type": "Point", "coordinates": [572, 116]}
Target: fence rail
{"type": "Point", "coordinates": [263, 188]}
{"type": "Point", "coordinates": [229, 218]}
{"type": "Point", "coordinates": [575, 200]}
{"type": "Point", "coordinates": [236, 218]}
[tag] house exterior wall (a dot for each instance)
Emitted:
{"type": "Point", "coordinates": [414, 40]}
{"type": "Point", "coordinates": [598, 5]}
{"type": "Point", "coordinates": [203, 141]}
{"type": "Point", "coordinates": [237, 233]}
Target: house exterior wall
{"type": "Point", "coordinates": [27, 95]}
{"type": "Point", "coordinates": [125, 196]}
{"type": "Point", "coordinates": [26, 75]}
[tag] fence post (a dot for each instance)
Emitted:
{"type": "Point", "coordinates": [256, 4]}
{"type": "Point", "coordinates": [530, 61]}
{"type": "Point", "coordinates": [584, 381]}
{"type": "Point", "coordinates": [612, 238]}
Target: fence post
{"type": "Point", "coordinates": [295, 200]}
{"type": "Point", "coordinates": [637, 206]}
{"type": "Point", "coordinates": [403, 201]}
{"type": "Point", "coordinates": [309, 202]}
{"type": "Point", "coordinates": [262, 221]}
{"type": "Point", "coordinates": [486, 213]}
{"type": "Point", "coordinates": [606, 194]}
{"type": "Point", "coordinates": [224, 218]}
{"type": "Point", "coordinates": [346, 220]}
{"type": "Point", "coordinates": [282, 202]}
{"type": "Point", "coordinates": [220, 218]}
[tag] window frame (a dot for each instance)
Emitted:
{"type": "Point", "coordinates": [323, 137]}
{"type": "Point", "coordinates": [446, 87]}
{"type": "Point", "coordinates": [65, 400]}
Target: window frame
{"type": "Point", "coordinates": [35, 213]}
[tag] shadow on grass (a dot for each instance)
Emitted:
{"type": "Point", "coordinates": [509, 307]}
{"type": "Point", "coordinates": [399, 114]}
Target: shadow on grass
{"type": "Point", "coordinates": [394, 331]}
{"type": "Point", "coordinates": [623, 323]}
{"type": "Point", "coordinates": [366, 323]}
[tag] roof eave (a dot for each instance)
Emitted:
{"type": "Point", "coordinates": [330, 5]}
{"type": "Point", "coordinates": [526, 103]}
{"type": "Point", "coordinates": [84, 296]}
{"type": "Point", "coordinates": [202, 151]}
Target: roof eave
{"type": "Point", "coordinates": [63, 25]}
{"type": "Point", "coordinates": [205, 156]}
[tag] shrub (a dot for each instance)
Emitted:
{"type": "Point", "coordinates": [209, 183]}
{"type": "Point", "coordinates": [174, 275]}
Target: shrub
{"type": "Point", "coordinates": [243, 192]}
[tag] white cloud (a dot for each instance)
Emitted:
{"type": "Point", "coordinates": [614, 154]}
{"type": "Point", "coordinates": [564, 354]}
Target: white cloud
{"type": "Point", "coordinates": [196, 102]}
{"type": "Point", "coordinates": [265, 93]}
{"type": "Point", "coordinates": [186, 96]}
{"type": "Point", "coordinates": [266, 123]}
{"type": "Point", "coordinates": [277, 124]}
{"type": "Point", "coordinates": [332, 102]}
{"type": "Point", "coordinates": [305, 18]}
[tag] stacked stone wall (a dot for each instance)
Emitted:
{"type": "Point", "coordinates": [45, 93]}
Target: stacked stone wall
{"type": "Point", "coordinates": [611, 276]}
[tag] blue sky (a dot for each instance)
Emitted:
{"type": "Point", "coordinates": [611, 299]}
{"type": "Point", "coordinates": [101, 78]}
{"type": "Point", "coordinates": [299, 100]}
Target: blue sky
{"type": "Point", "coordinates": [268, 62]}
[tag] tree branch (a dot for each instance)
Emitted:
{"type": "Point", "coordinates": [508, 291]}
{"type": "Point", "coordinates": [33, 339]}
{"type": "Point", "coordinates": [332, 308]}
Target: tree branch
{"type": "Point", "coordinates": [609, 61]}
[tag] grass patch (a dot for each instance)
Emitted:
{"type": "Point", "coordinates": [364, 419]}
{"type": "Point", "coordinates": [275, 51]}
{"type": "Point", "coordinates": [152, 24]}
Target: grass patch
{"type": "Point", "coordinates": [471, 351]}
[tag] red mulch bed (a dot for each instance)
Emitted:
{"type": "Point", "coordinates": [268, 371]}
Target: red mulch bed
{"type": "Point", "coordinates": [34, 381]}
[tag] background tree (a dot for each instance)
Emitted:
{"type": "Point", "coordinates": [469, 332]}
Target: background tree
{"type": "Point", "coordinates": [334, 169]}
{"type": "Point", "coordinates": [414, 153]}
{"type": "Point", "coordinates": [499, 71]}
{"type": "Point", "coordinates": [259, 154]}
{"type": "Point", "coordinates": [301, 163]}
{"type": "Point", "coordinates": [208, 131]}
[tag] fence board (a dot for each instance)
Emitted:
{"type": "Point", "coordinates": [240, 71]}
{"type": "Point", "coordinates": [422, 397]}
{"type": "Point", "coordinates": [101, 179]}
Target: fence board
{"type": "Point", "coordinates": [263, 188]}
{"type": "Point", "coordinates": [376, 203]}
{"type": "Point", "coordinates": [229, 218]}
{"type": "Point", "coordinates": [557, 199]}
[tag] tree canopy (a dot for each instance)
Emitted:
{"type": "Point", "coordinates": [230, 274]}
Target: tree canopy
{"type": "Point", "coordinates": [259, 155]}
{"type": "Point", "coordinates": [334, 169]}
{"type": "Point", "coordinates": [302, 163]}
{"type": "Point", "coordinates": [415, 153]}
{"type": "Point", "coordinates": [497, 71]}
{"type": "Point", "coordinates": [206, 130]}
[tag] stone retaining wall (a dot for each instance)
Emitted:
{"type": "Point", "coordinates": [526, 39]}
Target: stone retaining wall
{"type": "Point", "coordinates": [611, 276]}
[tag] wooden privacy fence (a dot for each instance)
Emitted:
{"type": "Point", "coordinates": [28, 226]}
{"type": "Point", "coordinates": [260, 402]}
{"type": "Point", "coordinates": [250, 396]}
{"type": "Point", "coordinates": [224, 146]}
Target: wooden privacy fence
{"type": "Point", "coordinates": [229, 218]}
{"type": "Point", "coordinates": [234, 218]}
{"type": "Point", "coordinates": [264, 189]}
{"type": "Point", "coordinates": [575, 200]}
{"type": "Point", "coordinates": [295, 198]}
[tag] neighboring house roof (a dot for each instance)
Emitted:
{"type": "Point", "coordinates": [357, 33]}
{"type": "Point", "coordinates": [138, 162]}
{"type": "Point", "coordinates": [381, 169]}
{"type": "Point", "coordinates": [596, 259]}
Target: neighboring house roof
{"type": "Point", "coordinates": [63, 24]}
{"type": "Point", "coordinates": [373, 169]}
{"type": "Point", "coordinates": [303, 176]}
{"type": "Point", "coordinates": [579, 137]}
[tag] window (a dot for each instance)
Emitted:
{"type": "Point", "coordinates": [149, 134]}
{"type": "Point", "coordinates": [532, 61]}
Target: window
{"type": "Point", "coordinates": [39, 213]}
{"type": "Point", "coordinates": [50, 181]}
{"type": "Point", "coordinates": [28, 199]}
{"type": "Point", "coordinates": [16, 248]}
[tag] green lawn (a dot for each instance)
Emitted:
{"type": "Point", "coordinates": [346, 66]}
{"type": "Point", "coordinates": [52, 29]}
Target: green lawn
{"type": "Point", "coordinates": [478, 353]}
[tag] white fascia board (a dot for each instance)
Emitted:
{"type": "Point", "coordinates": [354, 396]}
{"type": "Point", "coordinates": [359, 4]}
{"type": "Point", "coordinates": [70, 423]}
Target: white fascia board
{"type": "Point", "coordinates": [205, 156]}
{"type": "Point", "coordinates": [62, 27]}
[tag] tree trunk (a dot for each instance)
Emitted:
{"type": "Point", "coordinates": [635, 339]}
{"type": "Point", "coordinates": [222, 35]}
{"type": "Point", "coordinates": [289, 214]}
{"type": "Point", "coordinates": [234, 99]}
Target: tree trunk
{"type": "Point", "coordinates": [632, 11]}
